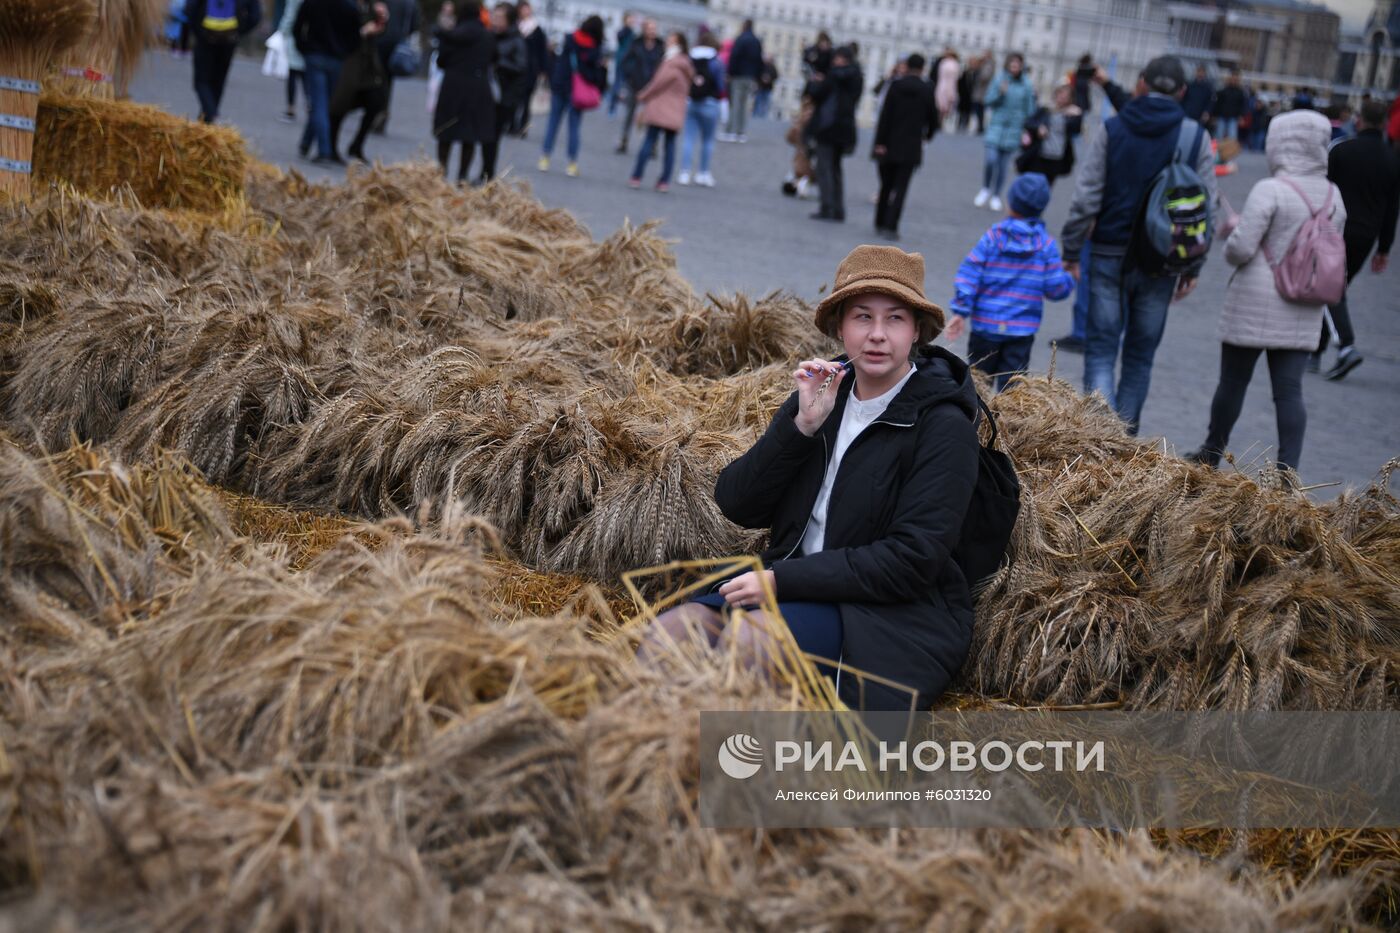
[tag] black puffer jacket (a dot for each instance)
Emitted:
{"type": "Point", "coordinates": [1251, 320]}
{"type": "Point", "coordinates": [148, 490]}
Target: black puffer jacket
{"type": "Point", "coordinates": [895, 516]}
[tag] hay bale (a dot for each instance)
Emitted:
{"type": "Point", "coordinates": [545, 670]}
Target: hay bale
{"type": "Point", "coordinates": [106, 147]}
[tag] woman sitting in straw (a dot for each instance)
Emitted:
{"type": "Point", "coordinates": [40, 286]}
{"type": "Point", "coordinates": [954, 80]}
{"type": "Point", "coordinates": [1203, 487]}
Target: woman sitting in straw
{"type": "Point", "coordinates": [863, 483]}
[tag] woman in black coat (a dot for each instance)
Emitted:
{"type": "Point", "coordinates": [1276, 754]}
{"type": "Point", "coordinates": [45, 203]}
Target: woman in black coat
{"type": "Point", "coordinates": [466, 107]}
{"type": "Point", "coordinates": [864, 486]}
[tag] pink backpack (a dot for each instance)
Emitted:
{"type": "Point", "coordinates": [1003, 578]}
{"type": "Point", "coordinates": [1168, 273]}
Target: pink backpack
{"type": "Point", "coordinates": [1314, 269]}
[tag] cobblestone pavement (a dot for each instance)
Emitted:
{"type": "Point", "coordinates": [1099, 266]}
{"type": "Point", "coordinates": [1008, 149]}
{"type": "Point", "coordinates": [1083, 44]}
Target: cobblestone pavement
{"type": "Point", "coordinates": [743, 235]}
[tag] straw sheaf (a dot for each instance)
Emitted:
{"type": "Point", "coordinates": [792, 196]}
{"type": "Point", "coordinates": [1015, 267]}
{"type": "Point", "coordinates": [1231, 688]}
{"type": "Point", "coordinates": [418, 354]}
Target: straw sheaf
{"type": "Point", "coordinates": [374, 707]}
{"type": "Point", "coordinates": [102, 147]}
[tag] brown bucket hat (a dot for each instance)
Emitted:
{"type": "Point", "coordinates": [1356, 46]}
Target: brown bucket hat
{"type": "Point", "coordinates": [886, 270]}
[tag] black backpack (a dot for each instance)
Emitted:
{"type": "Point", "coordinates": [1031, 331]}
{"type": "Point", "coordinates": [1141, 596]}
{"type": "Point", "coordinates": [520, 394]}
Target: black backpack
{"type": "Point", "coordinates": [704, 86]}
{"type": "Point", "coordinates": [991, 513]}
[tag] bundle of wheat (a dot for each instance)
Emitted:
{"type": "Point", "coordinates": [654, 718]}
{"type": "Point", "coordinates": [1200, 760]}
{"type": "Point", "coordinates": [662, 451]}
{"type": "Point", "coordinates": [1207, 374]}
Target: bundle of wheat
{"type": "Point", "coordinates": [33, 33]}
{"type": "Point", "coordinates": [1137, 576]}
{"type": "Point", "coordinates": [252, 745]}
{"type": "Point", "coordinates": [103, 62]}
{"type": "Point", "coordinates": [102, 147]}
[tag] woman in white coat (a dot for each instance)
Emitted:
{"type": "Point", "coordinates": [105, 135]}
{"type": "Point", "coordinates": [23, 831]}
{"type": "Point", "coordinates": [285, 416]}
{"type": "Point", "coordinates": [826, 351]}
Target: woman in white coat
{"type": "Point", "coordinates": [1256, 318]}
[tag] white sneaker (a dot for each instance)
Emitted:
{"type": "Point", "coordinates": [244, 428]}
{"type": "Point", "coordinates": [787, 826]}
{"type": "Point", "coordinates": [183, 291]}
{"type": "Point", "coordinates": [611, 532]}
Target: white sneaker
{"type": "Point", "coordinates": [981, 199]}
{"type": "Point", "coordinates": [706, 179]}
{"type": "Point", "coordinates": [683, 178]}
{"type": "Point", "coordinates": [804, 189]}
{"type": "Point", "coordinates": [996, 204]}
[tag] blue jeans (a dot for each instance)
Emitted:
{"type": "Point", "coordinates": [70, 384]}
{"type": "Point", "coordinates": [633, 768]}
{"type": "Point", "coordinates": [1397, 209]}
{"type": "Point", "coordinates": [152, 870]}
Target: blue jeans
{"type": "Point", "coordinates": [701, 119]}
{"type": "Point", "coordinates": [1081, 295]}
{"type": "Point", "coordinates": [1126, 307]}
{"type": "Point", "coordinates": [322, 73]}
{"type": "Point", "coordinates": [1229, 128]}
{"type": "Point", "coordinates": [649, 146]}
{"type": "Point", "coordinates": [816, 627]}
{"type": "Point", "coordinates": [761, 102]}
{"type": "Point", "coordinates": [559, 104]}
{"type": "Point", "coordinates": [994, 165]}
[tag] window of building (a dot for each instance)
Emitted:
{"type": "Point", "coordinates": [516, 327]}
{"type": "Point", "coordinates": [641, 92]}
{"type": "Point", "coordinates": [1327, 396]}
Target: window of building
{"type": "Point", "coordinates": [1124, 8]}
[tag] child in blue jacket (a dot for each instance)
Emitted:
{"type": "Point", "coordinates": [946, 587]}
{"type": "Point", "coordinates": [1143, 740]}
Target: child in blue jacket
{"type": "Point", "coordinates": [1003, 283]}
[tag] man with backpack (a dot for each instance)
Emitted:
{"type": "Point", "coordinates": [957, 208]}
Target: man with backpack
{"type": "Point", "coordinates": [1367, 172]}
{"type": "Point", "coordinates": [1144, 199]}
{"type": "Point", "coordinates": [217, 26]}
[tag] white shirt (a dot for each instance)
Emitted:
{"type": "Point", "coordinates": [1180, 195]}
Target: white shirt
{"type": "Point", "coordinates": [856, 418]}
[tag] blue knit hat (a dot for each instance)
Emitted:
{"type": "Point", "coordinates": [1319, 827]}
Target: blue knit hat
{"type": "Point", "coordinates": [1029, 194]}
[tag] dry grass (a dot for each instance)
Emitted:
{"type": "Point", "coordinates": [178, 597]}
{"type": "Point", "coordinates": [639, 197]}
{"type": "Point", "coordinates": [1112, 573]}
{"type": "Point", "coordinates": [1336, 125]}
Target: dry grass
{"type": "Point", "coordinates": [107, 148]}
{"type": "Point", "coordinates": [327, 694]}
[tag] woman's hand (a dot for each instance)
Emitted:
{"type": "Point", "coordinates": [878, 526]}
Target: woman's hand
{"type": "Point", "coordinates": [813, 405]}
{"type": "Point", "coordinates": [747, 588]}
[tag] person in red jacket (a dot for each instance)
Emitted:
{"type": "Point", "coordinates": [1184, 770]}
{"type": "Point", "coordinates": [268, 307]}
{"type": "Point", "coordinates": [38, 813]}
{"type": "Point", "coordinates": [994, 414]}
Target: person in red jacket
{"type": "Point", "coordinates": [1392, 130]}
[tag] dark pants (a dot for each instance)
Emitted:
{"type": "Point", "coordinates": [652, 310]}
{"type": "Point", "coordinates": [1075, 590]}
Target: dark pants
{"type": "Point", "coordinates": [293, 76]}
{"type": "Point", "coordinates": [490, 151]}
{"type": "Point", "coordinates": [631, 119]}
{"type": "Point", "coordinates": [374, 102]}
{"type": "Point", "coordinates": [894, 185]}
{"type": "Point", "coordinates": [668, 161]}
{"type": "Point", "coordinates": [445, 157]}
{"type": "Point", "coordinates": [1286, 375]}
{"type": "Point", "coordinates": [816, 627]}
{"type": "Point", "coordinates": [830, 182]}
{"type": "Point", "coordinates": [1358, 249]}
{"type": "Point", "coordinates": [522, 115]}
{"type": "Point", "coordinates": [211, 65]}
{"type": "Point", "coordinates": [999, 358]}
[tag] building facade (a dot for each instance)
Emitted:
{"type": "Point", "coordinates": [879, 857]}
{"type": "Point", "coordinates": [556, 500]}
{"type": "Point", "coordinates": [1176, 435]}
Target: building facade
{"type": "Point", "coordinates": [1279, 45]}
{"type": "Point", "coordinates": [1374, 56]}
{"type": "Point", "coordinates": [1123, 35]}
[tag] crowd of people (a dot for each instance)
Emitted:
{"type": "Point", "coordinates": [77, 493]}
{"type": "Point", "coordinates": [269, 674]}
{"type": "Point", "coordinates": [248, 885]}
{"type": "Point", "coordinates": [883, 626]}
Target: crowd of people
{"type": "Point", "coordinates": [1144, 206]}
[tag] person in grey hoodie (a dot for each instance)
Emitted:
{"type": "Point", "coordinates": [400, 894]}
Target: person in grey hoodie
{"type": "Point", "coordinates": [1256, 318]}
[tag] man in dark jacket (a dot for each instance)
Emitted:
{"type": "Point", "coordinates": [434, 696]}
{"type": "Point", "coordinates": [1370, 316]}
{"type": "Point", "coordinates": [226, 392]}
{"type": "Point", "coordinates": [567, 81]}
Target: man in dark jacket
{"type": "Point", "coordinates": [1199, 94]}
{"type": "Point", "coordinates": [625, 37]}
{"type": "Point", "coordinates": [636, 70]}
{"type": "Point", "coordinates": [1367, 172]}
{"type": "Point", "coordinates": [1128, 304]}
{"type": "Point", "coordinates": [1229, 106]}
{"type": "Point", "coordinates": [217, 26]}
{"type": "Point", "coordinates": [834, 99]}
{"type": "Point", "coordinates": [326, 33]}
{"type": "Point", "coordinates": [908, 119]}
{"type": "Point", "coordinates": [745, 66]}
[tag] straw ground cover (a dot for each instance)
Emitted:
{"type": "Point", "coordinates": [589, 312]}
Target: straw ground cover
{"type": "Point", "coordinates": [331, 677]}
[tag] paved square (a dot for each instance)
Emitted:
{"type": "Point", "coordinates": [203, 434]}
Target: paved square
{"type": "Point", "coordinates": [744, 235]}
